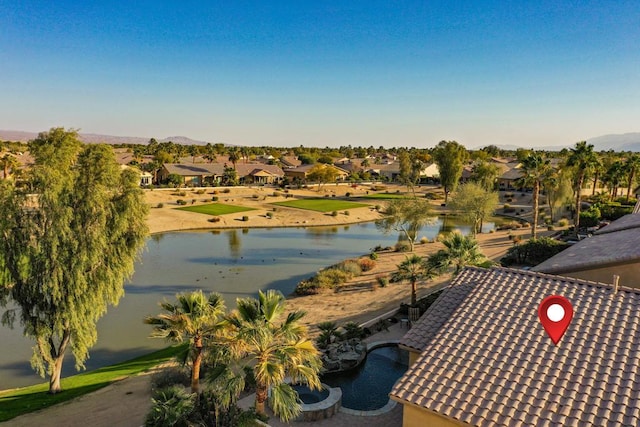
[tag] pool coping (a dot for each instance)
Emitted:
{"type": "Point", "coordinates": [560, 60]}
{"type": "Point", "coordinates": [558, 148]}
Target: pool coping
{"type": "Point", "coordinates": [388, 407]}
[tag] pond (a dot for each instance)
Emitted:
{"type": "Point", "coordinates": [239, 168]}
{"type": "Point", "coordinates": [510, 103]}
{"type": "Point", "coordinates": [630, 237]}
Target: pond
{"type": "Point", "coordinates": [367, 387]}
{"type": "Point", "coordinates": [236, 263]}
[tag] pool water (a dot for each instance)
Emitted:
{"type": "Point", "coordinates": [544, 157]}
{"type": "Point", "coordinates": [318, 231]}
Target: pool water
{"type": "Point", "coordinates": [309, 396]}
{"type": "Point", "coordinates": [367, 387]}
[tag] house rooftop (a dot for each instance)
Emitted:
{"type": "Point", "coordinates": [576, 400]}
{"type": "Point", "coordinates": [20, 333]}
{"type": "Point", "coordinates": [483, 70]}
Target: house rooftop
{"type": "Point", "coordinates": [491, 362]}
{"type": "Point", "coordinates": [614, 244]}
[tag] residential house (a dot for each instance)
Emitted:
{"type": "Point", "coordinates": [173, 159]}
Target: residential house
{"type": "Point", "coordinates": [301, 172]}
{"type": "Point", "coordinates": [508, 180]}
{"type": "Point", "coordinates": [612, 250]}
{"type": "Point", "coordinates": [290, 162]}
{"type": "Point", "coordinates": [484, 358]}
{"type": "Point", "coordinates": [200, 174]}
{"type": "Point", "coordinates": [391, 171]}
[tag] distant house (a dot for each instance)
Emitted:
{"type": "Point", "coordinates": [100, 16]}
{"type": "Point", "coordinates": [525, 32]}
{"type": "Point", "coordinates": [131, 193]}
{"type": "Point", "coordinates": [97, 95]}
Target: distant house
{"type": "Point", "coordinates": [391, 171]}
{"type": "Point", "coordinates": [614, 249]}
{"type": "Point", "coordinates": [482, 358]}
{"type": "Point", "coordinates": [208, 173]}
{"type": "Point", "coordinates": [290, 162]}
{"type": "Point", "coordinates": [301, 172]}
{"type": "Point", "coordinates": [508, 180]}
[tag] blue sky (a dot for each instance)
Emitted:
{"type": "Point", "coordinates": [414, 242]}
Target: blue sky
{"type": "Point", "coordinates": [324, 73]}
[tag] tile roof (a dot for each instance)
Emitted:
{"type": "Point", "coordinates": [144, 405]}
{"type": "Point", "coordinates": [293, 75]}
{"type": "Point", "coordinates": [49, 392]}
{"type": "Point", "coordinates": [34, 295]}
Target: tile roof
{"type": "Point", "coordinates": [492, 363]}
{"type": "Point", "coordinates": [618, 242]}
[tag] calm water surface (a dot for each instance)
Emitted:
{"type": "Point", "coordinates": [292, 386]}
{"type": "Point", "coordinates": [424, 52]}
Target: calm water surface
{"type": "Point", "coordinates": [236, 263]}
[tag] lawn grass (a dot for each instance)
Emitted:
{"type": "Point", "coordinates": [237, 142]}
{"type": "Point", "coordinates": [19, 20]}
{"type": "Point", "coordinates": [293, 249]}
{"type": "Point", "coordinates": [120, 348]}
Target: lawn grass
{"type": "Point", "coordinates": [385, 196]}
{"type": "Point", "coordinates": [215, 209]}
{"type": "Point", "coordinates": [28, 399]}
{"type": "Point", "coordinates": [321, 205]}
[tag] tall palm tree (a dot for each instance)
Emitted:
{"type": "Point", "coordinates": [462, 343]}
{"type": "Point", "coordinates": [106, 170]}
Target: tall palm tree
{"type": "Point", "coordinates": [459, 251]}
{"type": "Point", "coordinates": [632, 165]}
{"type": "Point", "coordinates": [195, 317]}
{"type": "Point", "coordinates": [598, 169]}
{"type": "Point", "coordinates": [273, 350]}
{"type": "Point", "coordinates": [9, 163]}
{"type": "Point", "coordinates": [534, 169]}
{"type": "Point", "coordinates": [413, 268]}
{"type": "Point", "coordinates": [582, 158]}
{"type": "Point", "coordinates": [615, 175]}
{"type": "Point", "coordinates": [234, 156]}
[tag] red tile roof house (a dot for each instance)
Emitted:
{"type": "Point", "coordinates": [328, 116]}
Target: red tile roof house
{"type": "Point", "coordinates": [485, 360]}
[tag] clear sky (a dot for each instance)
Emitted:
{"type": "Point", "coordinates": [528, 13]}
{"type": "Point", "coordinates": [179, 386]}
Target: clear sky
{"type": "Point", "coordinates": [324, 73]}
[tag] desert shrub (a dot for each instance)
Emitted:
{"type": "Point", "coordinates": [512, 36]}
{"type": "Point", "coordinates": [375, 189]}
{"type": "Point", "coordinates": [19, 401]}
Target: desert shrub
{"type": "Point", "coordinates": [160, 205]}
{"type": "Point", "coordinates": [431, 196]}
{"type": "Point", "coordinates": [373, 255]}
{"type": "Point", "coordinates": [590, 217]}
{"type": "Point", "coordinates": [255, 196]}
{"type": "Point", "coordinates": [351, 267]}
{"type": "Point", "coordinates": [200, 191]}
{"type": "Point", "coordinates": [214, 219]}
{"type": "Point", "coordinates": [331, 277]}
{"type": "Point", "coordinates": [509, 200]}
{"type": "Point", "coordinates": [423, 303]}
{"type": "Point", "coordinates": [193, 201]}
{"type": "Point", "coordinates": [181, 202]}
{"type": "Point", "coordinates": [182, 193]}
{"type": "Point", "coordinates": [334, 213]}
{"type": "Point", "coordinates": [245, 218]}
{"type": "Point", "coordinates": [269, 214]}
{"type": "Point", "coordinates": [623, 200]}
{"type": "Point", "coordinates": [402, 247]}
{"type": "Point", "coordinates": [347, 194]}
{"type": "Point", "coordinates": [307, 287]}
{"type": "Point", "coordinates": [533, 252]}
{"type": "Point", "coordinates": [508, 209]}
{"type": "Point", "coordinates": [378, 187]}
{"type": "Point", "coordinates": [378, 207]}
{"type": "Point", "coordinates": [563, 222]}
{"type": "Point", "coordinates": [424, 240]}
{"type": "Point", "coordinates": [382, 281]}
{"type": "Point", "coordinates": [276, 194]}
{"type": "Point", "coordinates": [170, 376]}
{"type": "Point", "coordinates": [347, 213]}
{"type": "Point", "coordinates": [366, 264]}
{"type": "Point", "coordinates": [612, 211]}
{"type": "Point", "coordinates": [226, 191]}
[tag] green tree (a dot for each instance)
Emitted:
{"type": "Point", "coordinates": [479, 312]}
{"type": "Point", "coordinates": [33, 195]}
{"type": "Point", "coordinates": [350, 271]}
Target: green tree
{"type": "Point", "coordinates": [322, 173]}
{"type": "Point", "coordinates": [234, 156]}
{"type": "Point", "coordinates": [273, 350]}
{"type": "Point", "coordinates": [406, 216]}
{"type": "Point", "coordinates": [474, 203]}
{"type": "Point", "coordinates": [194, 317]}
{"type": "Point", "coordinates": [559, 190]}
{"type": "Point", "coordinates": [8, 162]}
{"type": "Point", "coordinates": [67, 245]}
{"type": "Point", "coordinates": [486, 174]}
{"type": "Point", "coordinates": [614, 176]}
{"type": "Point", "coordinates": [413, 269]}
{"type": "Point", "coordinates": [632, 164]}
{"type": "Point", "coordinates": [459, 251]}
{"type": "Point", "coordinates": [534, 169]}
{"type": "Point", "coordinates": [175, 180]}
{"type": "Point", "coordinates": [410, 169]}
{"type": "Point", "coordinates": [229, 176]}
{"type": "Point", "coordinates": [582, 159]}
{"type": "Point", "coordinates": [450, 157]}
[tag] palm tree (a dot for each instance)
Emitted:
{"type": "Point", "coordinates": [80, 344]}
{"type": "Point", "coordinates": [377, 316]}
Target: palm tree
{"type": "Point", "coordinates": [195, 317]}
{"type": "Point", "coordinates": [413, 268]}
{"type": "Point", "coordinates": [582, 158]}
{"type": "Point", "coordinates": [632, 165]}
{"type": "Point", "coordinates": [534, 169]}
{"type": "Point", "coordinates": [273, 350]}
{"type": "Point", "coordinates": [234, 156]}
{"type": "Point", "coordinates": [459, 251]}
{"type": "Point", "coordinates": [615, 175]}
{"type": "Point", "coordinates": [9, 162]}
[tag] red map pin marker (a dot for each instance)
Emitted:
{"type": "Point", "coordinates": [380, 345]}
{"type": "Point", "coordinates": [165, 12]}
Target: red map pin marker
{"type": "Point", "coordinates": [555, 313]}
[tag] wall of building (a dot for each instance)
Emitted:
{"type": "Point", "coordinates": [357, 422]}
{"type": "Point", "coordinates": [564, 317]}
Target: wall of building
{"type": "Point", "coordinates": [413, 416]}
{"type": "Point", "coordinates": [629, 274]}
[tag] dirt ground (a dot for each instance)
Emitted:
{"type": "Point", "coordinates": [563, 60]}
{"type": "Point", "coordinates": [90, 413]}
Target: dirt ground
{"type": "Point", "coordinates": [126, 402]}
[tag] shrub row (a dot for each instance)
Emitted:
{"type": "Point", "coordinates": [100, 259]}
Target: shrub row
{"type": "Point", "coordinates": [335, 275]}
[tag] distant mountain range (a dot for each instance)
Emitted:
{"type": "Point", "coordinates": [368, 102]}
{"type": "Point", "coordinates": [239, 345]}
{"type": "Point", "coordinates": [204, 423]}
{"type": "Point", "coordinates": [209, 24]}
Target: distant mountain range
{"type": "Point", "coordinates": [616, 142]}
{"type": "Point", "coordinates": [92, 138]}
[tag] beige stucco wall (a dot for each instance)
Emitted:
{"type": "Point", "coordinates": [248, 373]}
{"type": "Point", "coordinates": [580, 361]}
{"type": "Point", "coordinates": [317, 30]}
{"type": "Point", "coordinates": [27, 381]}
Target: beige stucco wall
{"type": "Point", "coordinates": [413, 356]}
{"type": "Point", "coordinates": [413, 416]}
{"type": "Point", "coordinates": [629, 274]}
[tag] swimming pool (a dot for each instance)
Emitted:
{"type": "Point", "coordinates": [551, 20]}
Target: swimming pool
{"type": "Point", "coordinates": [309, 396]}
{"type": "Point", "coordinates": [367, 387]}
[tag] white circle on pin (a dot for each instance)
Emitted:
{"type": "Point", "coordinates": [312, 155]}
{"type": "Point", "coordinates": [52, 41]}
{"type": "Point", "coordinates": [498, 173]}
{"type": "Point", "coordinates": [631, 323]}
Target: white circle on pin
{"type": "Point", "coordinates": [555, 312]}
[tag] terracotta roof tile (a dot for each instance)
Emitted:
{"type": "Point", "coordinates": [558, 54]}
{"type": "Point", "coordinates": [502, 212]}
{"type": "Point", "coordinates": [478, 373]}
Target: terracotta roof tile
{"type": "Point", "coordinates": [486, 360]}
